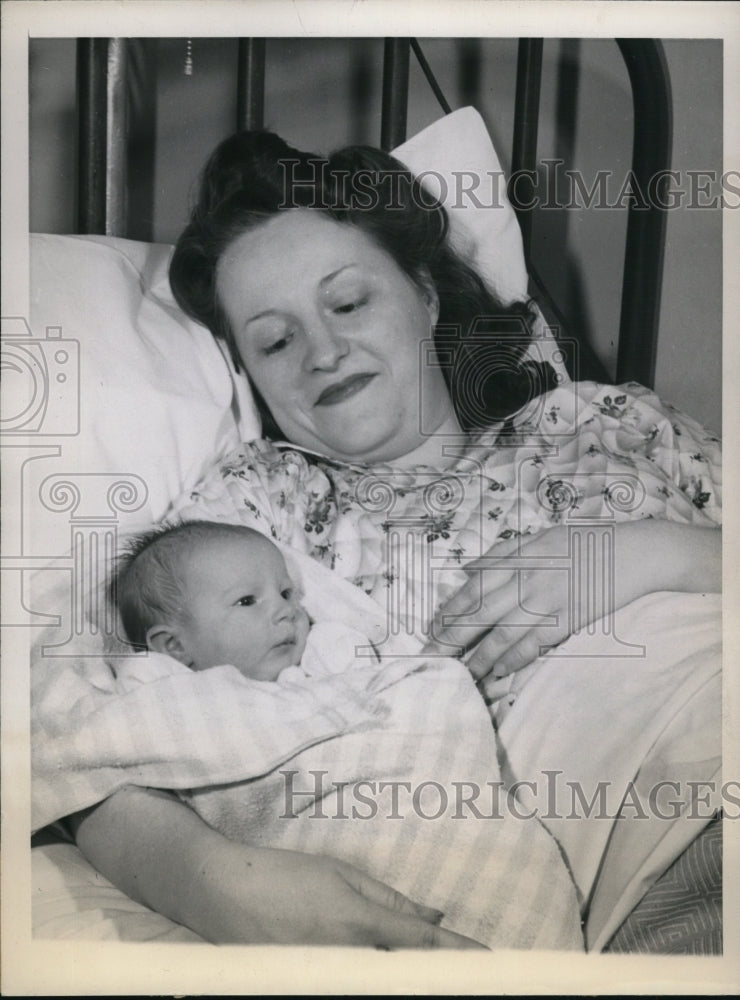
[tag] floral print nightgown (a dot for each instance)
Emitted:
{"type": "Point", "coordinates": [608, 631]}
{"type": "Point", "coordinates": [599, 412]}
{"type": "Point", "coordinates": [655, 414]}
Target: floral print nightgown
{"type": "Point", "coordinates": [582, 454]}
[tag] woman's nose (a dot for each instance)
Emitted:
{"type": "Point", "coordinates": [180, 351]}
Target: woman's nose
{"type": "Point", "coordinates": [325, 347]}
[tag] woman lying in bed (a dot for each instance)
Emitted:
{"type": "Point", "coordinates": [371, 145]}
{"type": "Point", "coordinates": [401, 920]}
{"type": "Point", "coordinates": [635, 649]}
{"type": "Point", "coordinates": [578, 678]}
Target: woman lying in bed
{"type": "Point", "coordinates": [327, 297]}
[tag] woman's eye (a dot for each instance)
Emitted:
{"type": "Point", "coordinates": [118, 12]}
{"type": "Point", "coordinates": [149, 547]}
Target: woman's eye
{"type": "Point", "coordinates": [348, 307]}
{"type": "Point", "coordinates": [247, 601]}
{"type": "Point", "coordinates": [278, 345]}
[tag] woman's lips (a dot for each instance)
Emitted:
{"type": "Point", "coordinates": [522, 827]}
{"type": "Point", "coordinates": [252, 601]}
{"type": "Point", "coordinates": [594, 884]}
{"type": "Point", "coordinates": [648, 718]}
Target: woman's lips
{"type": "Point", "coordinates": [340, 391]}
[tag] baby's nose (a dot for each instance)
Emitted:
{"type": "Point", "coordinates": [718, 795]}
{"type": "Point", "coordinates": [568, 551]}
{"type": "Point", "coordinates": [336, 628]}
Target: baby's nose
{"type": "Point", "coordinates": [285, 609]}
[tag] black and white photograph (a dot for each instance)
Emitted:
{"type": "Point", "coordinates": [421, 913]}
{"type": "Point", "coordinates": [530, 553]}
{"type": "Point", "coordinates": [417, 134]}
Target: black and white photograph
{"type": "Point", "coordinates": [367, 371]}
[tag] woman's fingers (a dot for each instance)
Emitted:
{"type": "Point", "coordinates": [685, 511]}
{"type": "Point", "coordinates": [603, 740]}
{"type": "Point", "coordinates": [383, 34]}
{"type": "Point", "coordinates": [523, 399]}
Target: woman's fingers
{"type": "Point", "coordinates": [501, 549]}
{"type": "Point", "coordinates": [487, 659]}
{"type": "Point", "coordinates": [476, 600]}
{"type": "Point", "coordinates": [507, 611]}
{"type": "Point", "coordinates": [400, 930]}
{"type": "Point", "coordinates": [384, 895]}
{"type": "Point", "coordinates": [488, 655]}
{"type": "Point", "coordinates": [484, 573]}
{"type": "Point", "coordinates": [478, 612]}
{"type": "Point", "coordinates": [392, 920]}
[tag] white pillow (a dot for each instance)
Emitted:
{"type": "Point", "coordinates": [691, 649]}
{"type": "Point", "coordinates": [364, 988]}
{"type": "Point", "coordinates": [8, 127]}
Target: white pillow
{"type": "Point", "coordinates": [158, 399]}
{"type": "Point", "coordinates": [154, 390]}
{"type": "Point", "coordinates": [457, 163]}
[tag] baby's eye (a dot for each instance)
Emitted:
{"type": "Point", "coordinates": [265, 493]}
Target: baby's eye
{"type": "Point", "coordinates": [287, 593]}
{"type": "Point", "coordinates": [247, 601]}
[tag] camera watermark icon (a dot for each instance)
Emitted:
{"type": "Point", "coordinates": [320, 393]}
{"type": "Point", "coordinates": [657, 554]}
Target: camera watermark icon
{"type": "Point", "coordinates": [413, 519]}
{"type": "Point", "coordinates": [41, 407]}
{"type": "Point", "coordinates": [589, 506]}
{"type": "Point", "coordinates": [422, 574]}
{"type": "Point", "coordinates": [41, 381]}
{"type": "Point", "coordinates": [496, 371]}
{"type": "Point", "coordinates": [91, 503]}
{"type": "Point", "coordinates": [89, 506]}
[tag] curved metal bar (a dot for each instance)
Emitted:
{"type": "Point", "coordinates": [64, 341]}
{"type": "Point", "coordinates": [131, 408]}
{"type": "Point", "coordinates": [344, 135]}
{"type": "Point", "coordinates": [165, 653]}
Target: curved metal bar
{"type": "Point", "coordinates": [645, 246]}
{"type": "Point", "coordinates": [395, 92]}
{"type": "Point", "coordinates": [250, 87]}
{"type": "Point", "coordinates": [431, 78]}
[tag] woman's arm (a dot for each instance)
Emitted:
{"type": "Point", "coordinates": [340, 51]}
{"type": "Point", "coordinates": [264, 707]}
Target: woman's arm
{"type": "Point", "coordinates": [535, 575]}
{"type": "Point", "coordinates": [162, 854]}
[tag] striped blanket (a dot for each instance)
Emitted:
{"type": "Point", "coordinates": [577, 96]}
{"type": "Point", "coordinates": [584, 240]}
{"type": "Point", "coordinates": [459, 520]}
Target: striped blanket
{"type": "Point", "coordinates": [568, 717]}
{"type": "Point", "coordinates": [390, 767]}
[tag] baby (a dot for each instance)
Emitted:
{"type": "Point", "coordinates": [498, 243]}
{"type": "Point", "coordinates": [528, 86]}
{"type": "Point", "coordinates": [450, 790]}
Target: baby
{"type": "Point", "coordinates": [208, 594]}
{"type": "Point", "coordinates": [383, 747]}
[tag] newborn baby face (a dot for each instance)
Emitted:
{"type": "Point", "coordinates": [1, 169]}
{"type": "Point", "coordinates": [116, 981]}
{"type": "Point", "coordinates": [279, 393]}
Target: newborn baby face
{"type": "Point", "coordinates": [241, 607]}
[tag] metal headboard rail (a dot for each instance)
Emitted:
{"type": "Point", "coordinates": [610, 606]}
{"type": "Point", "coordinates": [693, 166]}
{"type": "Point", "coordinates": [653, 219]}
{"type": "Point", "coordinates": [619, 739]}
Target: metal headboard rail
{"type": "Point", "coordinates": [395, 92]}
{"type": "Point", "coordinates": [102, 112]}
{"type": "Point", "coordinates": [250, 85]}
{"type": "Point", "coordinates": [101, 76]}
{"type": "Point", "coordinates": [645, 246]}
{"type": "Point", "coordinates": [526, 122]}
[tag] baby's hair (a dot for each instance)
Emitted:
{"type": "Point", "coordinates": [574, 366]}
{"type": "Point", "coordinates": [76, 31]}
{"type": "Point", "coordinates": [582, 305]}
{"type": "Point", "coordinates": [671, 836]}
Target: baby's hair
{"type": "Point", "coordinates": [146, 584]}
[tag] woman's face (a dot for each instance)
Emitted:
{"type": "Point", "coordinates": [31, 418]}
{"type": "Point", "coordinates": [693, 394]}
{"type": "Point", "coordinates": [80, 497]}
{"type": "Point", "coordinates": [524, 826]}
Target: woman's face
{"type": "Point", "coordinates": [329, 329]}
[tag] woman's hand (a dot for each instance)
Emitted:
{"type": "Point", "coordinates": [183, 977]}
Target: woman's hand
{"type": "Point", "coordinates": [285, 897]}
{"type": "Point", "coordinates": [515, 606]}
{"type": "Point", "coordinates": [528, 594]}
{"type": "Point", "coordinates": [162, 854]}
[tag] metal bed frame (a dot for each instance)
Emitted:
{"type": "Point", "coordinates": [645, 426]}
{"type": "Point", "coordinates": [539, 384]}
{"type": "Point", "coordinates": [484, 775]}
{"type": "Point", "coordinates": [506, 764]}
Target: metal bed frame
{"type": "Point", "coordinates": [102, 65]}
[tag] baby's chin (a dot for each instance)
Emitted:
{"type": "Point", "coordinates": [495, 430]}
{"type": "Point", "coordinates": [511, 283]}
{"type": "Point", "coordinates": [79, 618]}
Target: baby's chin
{"type": "Point", "coordinates": [278, 659]}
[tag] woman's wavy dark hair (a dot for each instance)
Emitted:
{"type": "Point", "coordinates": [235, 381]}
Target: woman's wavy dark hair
{"type": "Point", "coordinates": [252, 176]}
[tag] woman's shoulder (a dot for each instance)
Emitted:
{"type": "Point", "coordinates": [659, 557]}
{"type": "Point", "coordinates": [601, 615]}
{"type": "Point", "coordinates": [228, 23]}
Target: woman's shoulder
{"type": "Point", "coordinates": [258, 483]}
{"type": "Point", "coordinates": [611, 419]}
{"type": "Point", "coordinates": [568, 408]}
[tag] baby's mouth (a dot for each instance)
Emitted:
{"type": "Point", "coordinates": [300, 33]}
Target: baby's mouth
{"type": "Point", "coordinates": [340, 391]}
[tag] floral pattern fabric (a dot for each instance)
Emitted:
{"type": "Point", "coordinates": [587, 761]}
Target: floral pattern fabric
{"type": "Point", "coordinates": [582, 454]}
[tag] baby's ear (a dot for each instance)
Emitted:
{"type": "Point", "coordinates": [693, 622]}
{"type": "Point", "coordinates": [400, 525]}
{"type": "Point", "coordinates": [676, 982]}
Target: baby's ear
{"type": "Point", "coordinates": [164, 639]}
